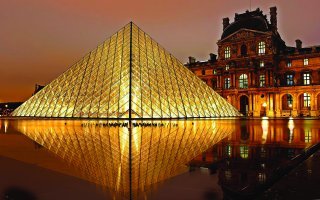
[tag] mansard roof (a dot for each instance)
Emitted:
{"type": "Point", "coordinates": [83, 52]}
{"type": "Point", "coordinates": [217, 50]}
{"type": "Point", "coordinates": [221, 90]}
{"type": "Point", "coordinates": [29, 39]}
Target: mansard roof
{"type": "Point", "coordinates": [254, 20]}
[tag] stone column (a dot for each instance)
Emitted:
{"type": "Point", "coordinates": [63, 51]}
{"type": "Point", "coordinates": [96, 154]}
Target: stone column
{"type": "Point", "coordinates": [250, 105]}
{"type": "Point", "coordinates": [256, 106]}
{"type": "Point", "coordinates": [270, 112]}
{"type": "Point", "coordinates": [277, 105]}
{"type": "Point", "coordinates": [313, 111]}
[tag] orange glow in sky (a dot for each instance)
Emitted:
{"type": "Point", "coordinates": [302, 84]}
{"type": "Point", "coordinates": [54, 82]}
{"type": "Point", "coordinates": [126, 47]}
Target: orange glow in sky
{"type": "Point", "coordinates": [40, 39]}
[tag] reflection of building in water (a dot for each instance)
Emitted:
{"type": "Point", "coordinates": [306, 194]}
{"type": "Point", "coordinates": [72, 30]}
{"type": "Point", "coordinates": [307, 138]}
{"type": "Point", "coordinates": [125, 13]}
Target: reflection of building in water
{"type": "Point", "coordinates": [251, 154]}
{"type": "Point", "coordinates": [258, 73]}
{"type": "Point", "coordinates": [105, 155]}
{"type": "Point", "coordinates": [243, 143]}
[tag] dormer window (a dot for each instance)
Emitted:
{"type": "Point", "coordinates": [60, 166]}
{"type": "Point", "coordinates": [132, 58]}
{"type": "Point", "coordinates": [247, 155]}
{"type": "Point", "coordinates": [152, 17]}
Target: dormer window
{"type": "Point", "coordinates": [227, 53]}
{"type": "Point", "coordinates": [289, 63]}
{"type": "Point", "coordinates": [227, 67]}
{"type": "Point", "coordinates": [261, 48]}
{"type": "Point", "coordinates": [214, 72]}
{"type": "Point", "coordinates": [261, 63]}
{"type": "Point", "coordinates": [203, 72]}
{"type": "Point", "coordinates": [305, 61]}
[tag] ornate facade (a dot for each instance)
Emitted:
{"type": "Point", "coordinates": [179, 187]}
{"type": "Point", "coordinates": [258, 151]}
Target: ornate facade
{"type": "Point", "coordinates": [258, 73]}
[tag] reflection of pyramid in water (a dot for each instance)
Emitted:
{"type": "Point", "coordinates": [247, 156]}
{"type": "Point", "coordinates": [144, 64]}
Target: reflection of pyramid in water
{"type": "Point", "coordinates": [103, 155]}
{"type": "Point", "coordinates": [128, 76]}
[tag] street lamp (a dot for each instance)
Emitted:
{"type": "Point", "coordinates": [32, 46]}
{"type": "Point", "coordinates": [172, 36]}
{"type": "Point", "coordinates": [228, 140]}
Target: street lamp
{"type": "Point", "coordinates": [264, 105]}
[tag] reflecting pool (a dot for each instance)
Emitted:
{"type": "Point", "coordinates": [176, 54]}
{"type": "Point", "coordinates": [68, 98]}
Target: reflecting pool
{"type": "Point", "coordinates": [135, 160]}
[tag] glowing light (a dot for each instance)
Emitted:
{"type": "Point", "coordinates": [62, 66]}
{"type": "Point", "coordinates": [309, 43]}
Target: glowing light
{"type": "Point", "coordinates": [264, 104]}
{"type": "Point", "coordinates": [160, 85]}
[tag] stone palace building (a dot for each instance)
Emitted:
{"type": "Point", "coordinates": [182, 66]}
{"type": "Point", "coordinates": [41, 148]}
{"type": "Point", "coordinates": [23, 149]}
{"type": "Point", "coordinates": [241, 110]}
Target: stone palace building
{"type": "Point", "coordinates": [258, 73]}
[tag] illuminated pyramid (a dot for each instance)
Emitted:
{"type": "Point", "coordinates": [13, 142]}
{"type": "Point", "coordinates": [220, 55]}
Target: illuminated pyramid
{"type": "Point", "coordinates": [127, 76]}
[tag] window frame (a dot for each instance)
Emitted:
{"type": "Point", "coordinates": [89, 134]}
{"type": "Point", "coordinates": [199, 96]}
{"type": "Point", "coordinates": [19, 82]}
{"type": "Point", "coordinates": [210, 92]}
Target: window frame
{"type": "Point", "coordinates": [262, 48]}
{"type": "Point", "coordinates": [227, 53]}
{"type": "Point", "coordinates": [227, 84]}
{"type": "Point", "coordinates": [306, 100]}
{"type": "Point", "coordinates": [289, 80]}
{"type": "Point", "coordinates": [262, 82]}
{"type": "Point", "coordinates": [243, 81]}
{"type": "Point", "coordinates": [306, 77]}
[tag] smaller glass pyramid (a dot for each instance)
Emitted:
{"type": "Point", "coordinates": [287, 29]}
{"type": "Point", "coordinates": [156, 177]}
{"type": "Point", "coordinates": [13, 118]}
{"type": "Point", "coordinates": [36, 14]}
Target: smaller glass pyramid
{"type": "Point", "coordinates": [128, 76]}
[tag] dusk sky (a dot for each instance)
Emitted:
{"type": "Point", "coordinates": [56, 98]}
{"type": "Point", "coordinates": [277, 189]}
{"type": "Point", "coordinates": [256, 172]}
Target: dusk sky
{"type": "Point", "coordinates": [40, 39]}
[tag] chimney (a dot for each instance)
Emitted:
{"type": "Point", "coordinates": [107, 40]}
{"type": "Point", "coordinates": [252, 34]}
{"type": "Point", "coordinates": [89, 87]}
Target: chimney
{"type": "Point", "coordinates": [225, 22]}
{"type": "Point", "coordinates": [298, 44]}
{"type": "Point", "coordinates": [191, 60]}
{"type": "Point", "coordinates": [213, 57]}
{"type": "Point", "coordinates": [273, 17]}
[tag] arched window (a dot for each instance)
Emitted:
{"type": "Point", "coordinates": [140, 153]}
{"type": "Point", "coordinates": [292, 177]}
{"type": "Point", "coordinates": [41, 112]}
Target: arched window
{"type": "Point", "coordinates": [243, 50]}
{"type": "Point", "coordinates": [227, 53]}
{"type": "Point", "coordinates": [306, 100]}
{"type": "Point", "coordinates": [243, 81]}
{"type": "Point", "coordinates": [261, 48]}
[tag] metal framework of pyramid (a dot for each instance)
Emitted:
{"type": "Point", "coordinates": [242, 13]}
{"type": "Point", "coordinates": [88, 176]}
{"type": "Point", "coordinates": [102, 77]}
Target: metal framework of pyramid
{"type": "Point", "coordinates": [103, 154]}
{"type": "Point", "coordinates": [127, 76]}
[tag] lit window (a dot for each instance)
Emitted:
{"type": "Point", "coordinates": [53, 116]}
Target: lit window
{"type": "Point", "coordinates": [306, 79]}
{"type": "Point", "coordinates": [262, 80]}
{"type": "Point", "coordinates": [261, 63]}
{"type": "Point", "coordinates": [289, 63]}
{"type": "Point", "coordinates": [203, 72]}
{"type": "Point", "coordinates": [243, 81]}
{"type": "Point", "coordinates": [227, 67]}
{"type": "Point", "coordinates": [227, 53]}
{"type": "Point", "coordinates": [306, 100]}
{"type": "Point", "coordinates": [289, 79]}
{"type": "Point", "coordinates": [214, 71]}
{"type": "Point", "coordinates": [305, 61]}
{"type": "Point", "coordinates": [227, 83]}
{"type": "Point", "coordinates": [262, 48]}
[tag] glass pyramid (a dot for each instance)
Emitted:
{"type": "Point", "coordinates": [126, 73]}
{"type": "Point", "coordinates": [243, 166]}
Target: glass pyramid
{"type": "Point", "coordinates": [128, 76]}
